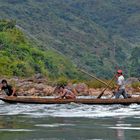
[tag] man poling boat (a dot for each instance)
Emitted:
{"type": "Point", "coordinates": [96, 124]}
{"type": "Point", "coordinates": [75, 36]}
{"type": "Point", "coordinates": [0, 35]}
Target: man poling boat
{"type": "Point", "coordinates": [120, 88]}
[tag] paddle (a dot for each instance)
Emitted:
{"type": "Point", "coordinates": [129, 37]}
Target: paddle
{"type": "Point", "coordinates": [108, 85]}
{"type": "Point", "coordinates": [95, 78]}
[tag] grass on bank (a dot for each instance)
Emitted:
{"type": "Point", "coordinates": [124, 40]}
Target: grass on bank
{"type": "Point", "coordinates": [20, 57]}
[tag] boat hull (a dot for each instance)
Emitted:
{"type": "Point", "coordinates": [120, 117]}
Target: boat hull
{"type": "Point", "coordinates": [38, 100]}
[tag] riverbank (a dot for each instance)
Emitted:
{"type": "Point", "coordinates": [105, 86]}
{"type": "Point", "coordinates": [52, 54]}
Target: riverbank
{"type": "Point", "coordinates": [40, 86]}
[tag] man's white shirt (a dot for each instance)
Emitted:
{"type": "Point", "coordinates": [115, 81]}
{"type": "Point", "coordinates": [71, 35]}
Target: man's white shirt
{"type": "Point", "coordinates": [121, 82]}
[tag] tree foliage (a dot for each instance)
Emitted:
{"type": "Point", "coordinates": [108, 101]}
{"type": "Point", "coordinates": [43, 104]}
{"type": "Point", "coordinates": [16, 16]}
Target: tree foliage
{"type": "Point", "coordinates": [19, 57]}
{"type": "Point", "coordinates": [135, 62]}
{"type": "Point", "coordinates": [98, 35]}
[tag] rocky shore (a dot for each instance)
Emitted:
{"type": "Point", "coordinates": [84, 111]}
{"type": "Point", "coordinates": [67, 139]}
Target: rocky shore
{"type": "Point", "coordinates": [39, 86]}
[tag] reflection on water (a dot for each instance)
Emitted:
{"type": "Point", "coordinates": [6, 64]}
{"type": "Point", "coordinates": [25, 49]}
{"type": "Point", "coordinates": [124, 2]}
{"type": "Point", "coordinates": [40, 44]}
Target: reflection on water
{"type": "Point", "coordinates": [69, 122]}
{"type": "Point", "coordinates": [120, 132]}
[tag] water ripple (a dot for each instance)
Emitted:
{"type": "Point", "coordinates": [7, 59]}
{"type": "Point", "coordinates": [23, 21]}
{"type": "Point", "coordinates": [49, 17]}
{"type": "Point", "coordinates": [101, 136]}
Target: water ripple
{"type": "Point", "coordinates": [70, 110]}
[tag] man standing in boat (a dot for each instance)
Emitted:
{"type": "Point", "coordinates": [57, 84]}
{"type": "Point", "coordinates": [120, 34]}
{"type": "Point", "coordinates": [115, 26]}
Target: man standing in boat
{"type": "Point", "coordinates": [8, 89]}
{"type": "Point", "coordinates": [120, 89]}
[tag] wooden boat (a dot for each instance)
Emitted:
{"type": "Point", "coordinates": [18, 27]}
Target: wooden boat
{"type": "Point", "coordinates": [38, 100]}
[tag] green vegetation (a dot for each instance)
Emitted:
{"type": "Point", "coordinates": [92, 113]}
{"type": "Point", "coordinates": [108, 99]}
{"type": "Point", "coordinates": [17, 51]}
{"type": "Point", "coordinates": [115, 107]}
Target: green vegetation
{"type": "Point", "coordinates": [136, 85]}
{"type": "Point", "coordinates": [135, 62]}
{"type": "Point", "coordinates": [97, 35]}
{"type": "Point", "coordinates": [19, 57]}
{"type": "Point", "coordinates": [96, 84]}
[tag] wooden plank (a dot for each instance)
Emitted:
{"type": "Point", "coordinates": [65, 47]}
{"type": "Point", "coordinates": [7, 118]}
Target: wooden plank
{"type": "Point", "coordinates": [31, 100]}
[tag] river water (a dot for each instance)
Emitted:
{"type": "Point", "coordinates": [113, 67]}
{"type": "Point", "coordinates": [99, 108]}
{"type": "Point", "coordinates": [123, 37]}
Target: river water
{"type": "Point", "coordinates": [69, 122]}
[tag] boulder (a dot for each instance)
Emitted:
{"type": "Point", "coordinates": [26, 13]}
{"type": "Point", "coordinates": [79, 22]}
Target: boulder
{"type": "Point", "coordinates": [31, 91]}
{"type": "Point", "coordinates": [81, 88]}
{"type": "Point", "coordinates": [38, 76]}
{"type": "Point", "coordinates": [39, 86]}
{"type": "Point", "coordinates": [48, 91]}
{"type": "Point", "coordinates": [131, 80]}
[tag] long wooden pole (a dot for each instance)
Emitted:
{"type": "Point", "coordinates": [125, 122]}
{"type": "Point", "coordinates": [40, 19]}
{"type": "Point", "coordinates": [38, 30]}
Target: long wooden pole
{"type": "Point", "coordinates": [106, 87]}
{"type": "Point", "coordinates": [95, 78]}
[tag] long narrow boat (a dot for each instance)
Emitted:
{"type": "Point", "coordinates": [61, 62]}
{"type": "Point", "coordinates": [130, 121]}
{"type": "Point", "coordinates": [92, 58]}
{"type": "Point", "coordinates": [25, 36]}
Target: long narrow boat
{"type": "Point", "coordinates": [38, 100]}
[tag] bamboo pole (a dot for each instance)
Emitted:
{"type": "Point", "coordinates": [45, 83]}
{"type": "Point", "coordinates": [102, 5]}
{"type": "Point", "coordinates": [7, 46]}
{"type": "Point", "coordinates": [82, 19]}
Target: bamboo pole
{"type": "Point", "coordinates": [95, 78]}
{"type": "Point", "coordinates": [106, 87]}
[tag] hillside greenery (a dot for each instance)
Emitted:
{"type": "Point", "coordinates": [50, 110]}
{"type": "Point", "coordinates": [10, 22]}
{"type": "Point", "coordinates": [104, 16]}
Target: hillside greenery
{"type": "Point", "coordinates": [97, 35]}
{"type": "Point", "coordinates": [19, 57]}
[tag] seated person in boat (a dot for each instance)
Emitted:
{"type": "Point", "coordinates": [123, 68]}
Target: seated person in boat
{"type": "Point", "coordinates": [66, 93]}
{"type": "Point", "coordinates": [8, 89]}
{"type": "Point", "coordinates": [71, 87]}
{"type": "Point", "coordinates": [120, 88]}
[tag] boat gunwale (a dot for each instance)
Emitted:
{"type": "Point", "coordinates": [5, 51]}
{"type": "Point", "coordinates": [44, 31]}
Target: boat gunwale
{"type": "Point", "coordinates": [38, 100]}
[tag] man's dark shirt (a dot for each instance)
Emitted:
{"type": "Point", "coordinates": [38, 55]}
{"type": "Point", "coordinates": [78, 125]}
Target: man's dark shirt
{"type": "Point", "coordinates": [8, 90]}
